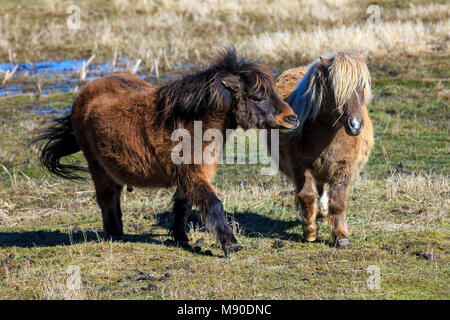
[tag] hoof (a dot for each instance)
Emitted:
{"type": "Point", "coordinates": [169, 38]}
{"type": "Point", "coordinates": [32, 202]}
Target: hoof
{"type": "Point", "coordinates": [343, 243]}
{"type": "Point", "coordinates": [230, 248]}
{"type": "Point", "coordinates": [310, 237]}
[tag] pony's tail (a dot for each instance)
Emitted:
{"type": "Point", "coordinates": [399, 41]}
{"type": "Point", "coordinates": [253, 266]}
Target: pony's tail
{"type": "Point", "coordinates": [59, 141]}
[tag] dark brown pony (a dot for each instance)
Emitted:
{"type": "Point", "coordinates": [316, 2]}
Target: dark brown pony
{"type": "Point", "coordinates": [333, 140]}
{"type": "Point", "coordinates": [124, 126]}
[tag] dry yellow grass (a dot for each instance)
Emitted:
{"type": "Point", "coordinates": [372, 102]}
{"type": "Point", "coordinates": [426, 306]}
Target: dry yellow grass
{"type": "Point", "coordinates": [390, 39]}
{"type": "Point", "coordinates": [280, 33]}
{"type": "Point", "coordinates": [397, 222]}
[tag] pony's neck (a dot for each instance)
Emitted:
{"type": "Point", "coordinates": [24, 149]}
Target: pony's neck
{"type": "Point", "coordinates": [328, 119]}
{"type": "Point", "coordinates": [216, 120]}
{"type": "Point", "coordinates": [193, 95]}
{"type": "Point", "coordinates": [328, 112]}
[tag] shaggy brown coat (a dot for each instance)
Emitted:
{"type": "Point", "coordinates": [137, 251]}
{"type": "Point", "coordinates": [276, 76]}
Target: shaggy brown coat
{"type": "Point", "coordinates": [124, 127]}
{"type": "Point", "coordinates": [323, 155]}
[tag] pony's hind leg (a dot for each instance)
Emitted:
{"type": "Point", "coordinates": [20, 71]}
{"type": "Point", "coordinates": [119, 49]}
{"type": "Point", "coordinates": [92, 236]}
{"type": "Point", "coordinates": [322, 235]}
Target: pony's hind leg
{"type": "Point", "coordinates": [181, 209]}
{"type": "Point", "coordinates": [338, 225]}
{"type": "Point", "coordinates": [307, 200]}
{"type": "Point", "coordinates": [108, 198]}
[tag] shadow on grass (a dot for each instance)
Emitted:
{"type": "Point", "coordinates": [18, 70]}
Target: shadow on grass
{"type": "Point", "coordinates": [254, 225]}
{"type": "Point", "coordinates": [250, 224]}
{"type": "Point", "coordinates": [47, 238]}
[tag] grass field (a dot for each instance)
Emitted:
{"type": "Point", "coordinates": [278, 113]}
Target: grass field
{"type": "Point", "coordinates": [398, 208]}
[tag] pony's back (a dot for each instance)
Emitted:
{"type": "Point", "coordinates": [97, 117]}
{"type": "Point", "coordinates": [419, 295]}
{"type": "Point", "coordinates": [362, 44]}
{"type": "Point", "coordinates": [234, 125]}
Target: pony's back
{"type": "Point", "coordinates": [288, 81]}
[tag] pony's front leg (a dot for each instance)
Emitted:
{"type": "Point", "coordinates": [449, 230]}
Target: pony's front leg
{"type": "Point", "coordinates": [202, 194]}
{"type": "Point", "coordinates": [181, 208]}
{"type": "Point", "coordinates": [215, 220]}
{"type": "Point", "coordinates": [323, 201]}
{"type": "Point", "coordinates": [336, 209]}
{"type": "Point", "coordinates": [306, 198]}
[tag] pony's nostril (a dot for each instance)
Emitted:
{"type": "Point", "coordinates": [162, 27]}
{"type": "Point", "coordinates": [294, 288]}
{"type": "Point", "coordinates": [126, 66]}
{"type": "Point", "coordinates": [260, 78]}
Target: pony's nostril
{"type": "Point", "coordinates": [354, 123]}
{"type": "Point", "coordinates": [291, 119]}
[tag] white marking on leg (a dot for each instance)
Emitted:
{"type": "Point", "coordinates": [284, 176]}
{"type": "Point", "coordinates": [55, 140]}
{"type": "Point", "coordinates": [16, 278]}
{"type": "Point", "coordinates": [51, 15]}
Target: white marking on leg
{"type": "Point", "coordinates": [324, 204]}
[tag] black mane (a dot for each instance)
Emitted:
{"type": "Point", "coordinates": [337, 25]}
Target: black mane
{"type": "Point", "coordinates": [196, 92]}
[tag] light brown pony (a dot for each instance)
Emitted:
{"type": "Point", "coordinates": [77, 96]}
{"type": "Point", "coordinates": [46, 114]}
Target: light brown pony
{"type": "Point", "coordinates": [334, 138]}
{"type": "Point", "coordinates": [124, 127]}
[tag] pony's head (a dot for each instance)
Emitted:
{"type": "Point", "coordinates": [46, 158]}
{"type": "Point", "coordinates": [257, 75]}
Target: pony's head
{"type": "Point", "coordinates": [339, 87]}
{"type": "Point", "coordinates": [251, 88]}
{"type": "Point", "coordinates": [240, 88]}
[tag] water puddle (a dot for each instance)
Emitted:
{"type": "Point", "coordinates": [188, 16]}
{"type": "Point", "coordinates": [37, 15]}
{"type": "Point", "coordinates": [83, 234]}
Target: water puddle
{"type": "Point", "coordinates": [59, 112]}
{"type": "Point", "coordinates": [60, 76]}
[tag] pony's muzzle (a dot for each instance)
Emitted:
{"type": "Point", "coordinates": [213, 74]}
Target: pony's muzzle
{"type": "Point", "coordinates": [354, 127]}
{"type": "Point", "coordinates": [290, 122]}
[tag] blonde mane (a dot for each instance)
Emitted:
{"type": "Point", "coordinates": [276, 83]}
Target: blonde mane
{"type": "Point", "coordinates": [347, 73]}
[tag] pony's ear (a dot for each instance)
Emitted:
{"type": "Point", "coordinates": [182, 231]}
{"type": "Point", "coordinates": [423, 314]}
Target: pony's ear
{"type": "Point", "coordinates": [326, 62]}
{"type": "Point", "coordinates": [362, 56]}
{"type": "Point", "coordinates": [231, 82]}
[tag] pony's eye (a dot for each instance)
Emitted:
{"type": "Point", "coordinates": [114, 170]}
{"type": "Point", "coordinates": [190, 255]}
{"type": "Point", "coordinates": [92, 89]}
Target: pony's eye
{"type": "Point", "coordinates": [257, 98]}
